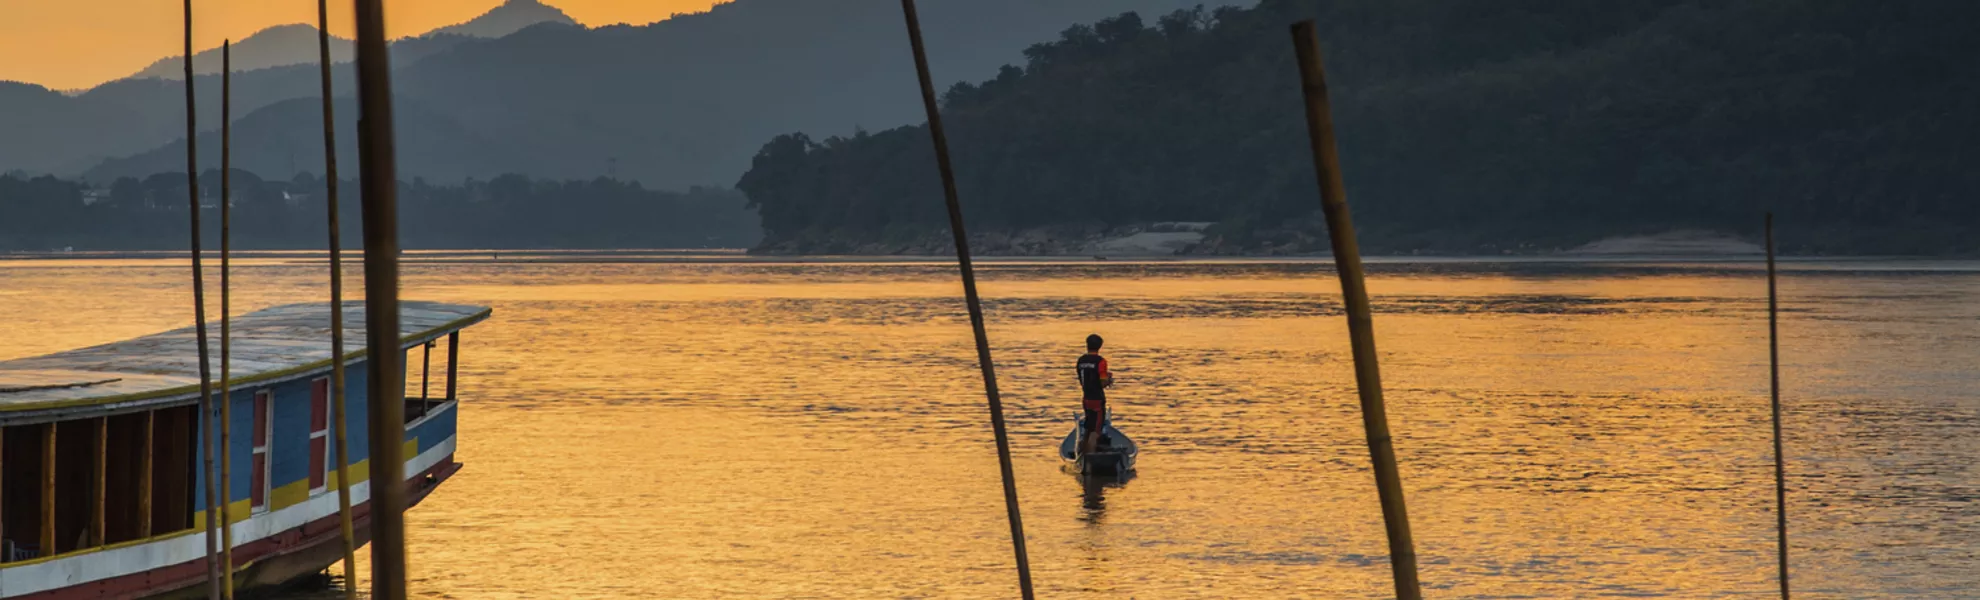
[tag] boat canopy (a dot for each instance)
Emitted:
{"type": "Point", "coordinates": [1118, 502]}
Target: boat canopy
{"type": "Point", "coordinates": [269, 345]}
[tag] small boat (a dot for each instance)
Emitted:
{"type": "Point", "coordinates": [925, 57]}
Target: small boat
{"type": "Point", "coordinates": [105, 482]}
{"type": "Point", "coordinates": [1114, 453]}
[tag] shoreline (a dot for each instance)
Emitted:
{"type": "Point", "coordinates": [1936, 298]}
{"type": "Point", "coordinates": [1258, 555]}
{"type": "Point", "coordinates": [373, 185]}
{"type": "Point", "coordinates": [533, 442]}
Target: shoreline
{"type": "Point", "coordinates": [742, 257]}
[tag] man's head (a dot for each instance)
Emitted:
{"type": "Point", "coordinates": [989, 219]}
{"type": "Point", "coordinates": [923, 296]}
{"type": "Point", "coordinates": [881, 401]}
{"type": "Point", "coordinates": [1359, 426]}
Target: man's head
{"type": "Point", "coordinates": [1093, 343]}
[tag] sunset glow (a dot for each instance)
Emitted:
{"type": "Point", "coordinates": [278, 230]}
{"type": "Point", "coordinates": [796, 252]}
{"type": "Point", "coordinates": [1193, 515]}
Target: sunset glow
{"type": "Point", "coordinates": [80, 43]}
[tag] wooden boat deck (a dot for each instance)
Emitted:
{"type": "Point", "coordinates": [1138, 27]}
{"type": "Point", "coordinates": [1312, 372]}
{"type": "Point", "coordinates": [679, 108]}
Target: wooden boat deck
{"type": "Point", "coordinates": [162, 368]}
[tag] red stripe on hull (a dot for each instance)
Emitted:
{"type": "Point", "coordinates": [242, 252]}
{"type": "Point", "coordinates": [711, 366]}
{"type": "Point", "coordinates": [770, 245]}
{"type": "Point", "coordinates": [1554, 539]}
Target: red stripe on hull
{"type": "Point", "coordinates": [269, 562]}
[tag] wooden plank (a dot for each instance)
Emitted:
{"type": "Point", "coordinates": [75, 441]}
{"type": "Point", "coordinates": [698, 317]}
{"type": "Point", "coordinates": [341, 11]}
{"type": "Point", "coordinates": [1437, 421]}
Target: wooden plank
{"type": "Point", "coordinates": [145, 464]}
{"type": "Point", "coordinates": [98, 517]}
{"type": "Point", "coordinates": [48, 490]}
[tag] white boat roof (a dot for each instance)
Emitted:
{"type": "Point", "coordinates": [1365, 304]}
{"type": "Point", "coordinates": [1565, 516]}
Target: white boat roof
{"type": "Point", "coordinates": [267, 345]}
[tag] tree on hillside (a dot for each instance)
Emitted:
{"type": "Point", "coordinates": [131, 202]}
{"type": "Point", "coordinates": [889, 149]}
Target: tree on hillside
{"type": "Point", "coordinates": [1464, 126]}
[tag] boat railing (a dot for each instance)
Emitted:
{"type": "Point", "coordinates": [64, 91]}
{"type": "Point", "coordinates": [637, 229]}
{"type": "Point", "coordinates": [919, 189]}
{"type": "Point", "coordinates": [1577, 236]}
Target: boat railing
{"type": "Point", "coordinates": [421, 400]}
{"type": "Point", "coordinates": [417, 407]}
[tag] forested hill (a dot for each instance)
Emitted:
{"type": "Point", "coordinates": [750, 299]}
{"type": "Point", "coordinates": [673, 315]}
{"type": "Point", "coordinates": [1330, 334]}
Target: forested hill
{"type": "Point", "coordinates": [1465, 126]}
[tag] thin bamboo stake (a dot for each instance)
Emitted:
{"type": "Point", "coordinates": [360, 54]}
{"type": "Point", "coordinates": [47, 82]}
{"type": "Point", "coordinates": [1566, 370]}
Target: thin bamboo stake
{"type": "Point", "coordinates": [226, 319]}
{"type": "Point", "coordinates": [1774, 367]}
{"type": "Point", "coordinates": [969, 295]}
{"type": "Point", "coordinates": [1361, 321]}
{"type": "Point", "coordinates": [385, 382]}
{"type": "Point", "coordinates": [337, 407]}
{"type": "Point", "coordinates": [199, 310]}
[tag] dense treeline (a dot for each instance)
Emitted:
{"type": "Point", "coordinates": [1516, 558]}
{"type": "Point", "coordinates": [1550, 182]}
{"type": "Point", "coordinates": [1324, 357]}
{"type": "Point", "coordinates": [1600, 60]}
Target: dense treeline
{"type": "Point", "coordinates": [1464, 126]}
{"type": "Point", "coordinates": [511, 211]}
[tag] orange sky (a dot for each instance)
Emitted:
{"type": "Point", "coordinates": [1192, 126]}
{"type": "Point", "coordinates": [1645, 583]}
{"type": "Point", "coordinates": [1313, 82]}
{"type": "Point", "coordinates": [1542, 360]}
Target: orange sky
{"type": "Point", "coordinates": [67, 44]}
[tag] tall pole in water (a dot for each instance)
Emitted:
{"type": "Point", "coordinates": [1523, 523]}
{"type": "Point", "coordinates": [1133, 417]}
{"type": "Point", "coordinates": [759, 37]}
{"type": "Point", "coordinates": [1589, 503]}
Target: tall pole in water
{"type": "Point", "coordinates": [969, 295]}
{"type": "Point", "coordinates": [1361, 320]}
{"type": "Point", "coordinates": [384, 383]}
{"type": "Point", "coordinates": [199, 317]}
{"type": "Point", "coordinates": [226, 320]}
{"type": "Point", "coordinates": [339, 419]}
{"type": "Point", "coordinates": [1774, 368]}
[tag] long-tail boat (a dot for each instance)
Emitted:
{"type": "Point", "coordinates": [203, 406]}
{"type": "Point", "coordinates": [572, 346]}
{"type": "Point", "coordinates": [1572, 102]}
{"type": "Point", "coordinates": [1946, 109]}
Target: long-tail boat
{"type": "Point", "coordinates": [102, 484]}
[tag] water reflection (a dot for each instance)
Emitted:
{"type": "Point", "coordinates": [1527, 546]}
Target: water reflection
{"type": "Point", "coordinates": [650, 430]}
{"type": "Point", "coordinates": [1093, 494]}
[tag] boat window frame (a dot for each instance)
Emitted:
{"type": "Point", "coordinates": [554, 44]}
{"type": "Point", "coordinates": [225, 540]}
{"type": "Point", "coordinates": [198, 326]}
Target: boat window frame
{"type": "Point", "coordinates": [328, 456]}
{"type": "Point", "coordinates": [264, 397]}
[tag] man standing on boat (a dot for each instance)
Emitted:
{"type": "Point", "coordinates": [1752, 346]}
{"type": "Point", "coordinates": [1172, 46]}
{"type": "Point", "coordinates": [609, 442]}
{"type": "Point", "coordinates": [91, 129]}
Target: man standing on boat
{"type": "Point", "coordinates": [1094, 379]}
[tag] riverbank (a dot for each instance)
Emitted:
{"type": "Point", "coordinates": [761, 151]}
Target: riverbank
{"type": "Point", "coordinates": [1308, 237]}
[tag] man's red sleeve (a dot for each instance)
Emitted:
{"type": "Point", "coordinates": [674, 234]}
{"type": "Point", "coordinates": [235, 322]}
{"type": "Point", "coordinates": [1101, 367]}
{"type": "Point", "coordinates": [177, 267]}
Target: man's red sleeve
{"type": "Point", "coordinates": [1104, 373]}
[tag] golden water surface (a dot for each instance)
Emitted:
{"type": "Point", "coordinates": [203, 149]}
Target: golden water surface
{"type": "Point", "coordinates": [742, 430]}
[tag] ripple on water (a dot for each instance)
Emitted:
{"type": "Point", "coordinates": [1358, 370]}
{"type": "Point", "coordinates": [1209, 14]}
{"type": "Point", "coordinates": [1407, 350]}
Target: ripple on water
{"type": "Point", "coordinates": [682, 430]}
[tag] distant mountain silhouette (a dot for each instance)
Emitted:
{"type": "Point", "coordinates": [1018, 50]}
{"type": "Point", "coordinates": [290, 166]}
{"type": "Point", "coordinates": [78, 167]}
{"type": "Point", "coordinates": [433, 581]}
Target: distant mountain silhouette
{"type": "Point", "coordinates": [71, 134]}
{"type": "Point", "coordinates": [48, 131]}
{"type": "Point", "coordinates": [681, 102]}
{"type": "Point", "coordinates": [277, 46]}
{"type": "Point", "coordinates": [264, 144]}
{"type": "Point", "coordinates": [510, 17]}
{"type": "Point", "coordinates": [295, 44]}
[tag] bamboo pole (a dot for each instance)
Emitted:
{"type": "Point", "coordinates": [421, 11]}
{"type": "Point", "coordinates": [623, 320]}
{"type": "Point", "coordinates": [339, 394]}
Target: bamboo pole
{"type": "Point", "coordinates": [1774, 368]}
{"type": "Point", "coordinates": [145, 465]}
{"type": "Point", "coordinates": [1361, 321]}
{"type": "Point", "coordinates": [385, 382]}
{"type": "Point", "coordinates": [337, 406]}
{"type": "Point", "coordinates": [970, 296]}
{"type": "Point", "coordinates": [226, 320]}
{"type": "Point", "coordinates": [199, 311]}
{"type": "Point", "coordinates": [100, 498]}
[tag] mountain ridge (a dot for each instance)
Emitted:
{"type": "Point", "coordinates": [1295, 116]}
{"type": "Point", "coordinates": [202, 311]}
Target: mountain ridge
{"type": "Point", "coordinates": [276, 46]}
{"type": "Point", "coordinates": [508, 18]}
{"type": "Point", "coordinates": [298, 43]}
{"type": "Point", "coordinates": [685, 101]}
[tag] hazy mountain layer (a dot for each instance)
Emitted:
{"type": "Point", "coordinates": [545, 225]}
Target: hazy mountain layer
{"type": "Point", "coordinates": [685, 101]}
{"type": "Point", "coordinates": [277, 46]}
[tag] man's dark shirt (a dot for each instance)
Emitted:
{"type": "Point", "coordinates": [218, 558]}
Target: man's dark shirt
{"type": "Point", "coordinates": [1093, 377]}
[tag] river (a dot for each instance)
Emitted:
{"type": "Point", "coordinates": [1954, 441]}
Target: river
{"type": "Point", "coordinates": [681, 428]}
